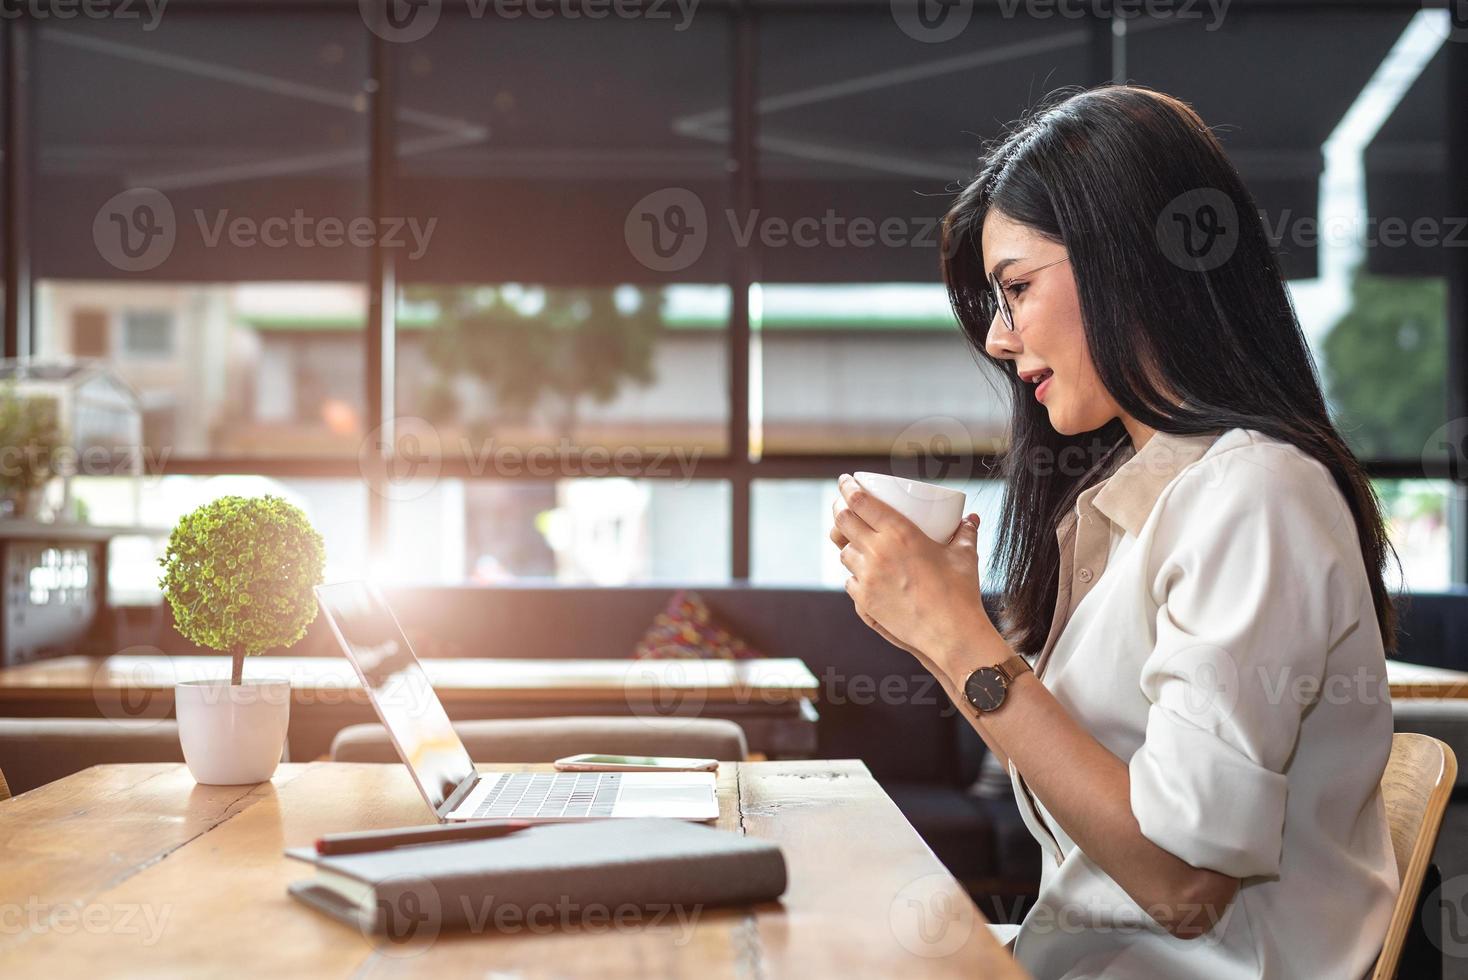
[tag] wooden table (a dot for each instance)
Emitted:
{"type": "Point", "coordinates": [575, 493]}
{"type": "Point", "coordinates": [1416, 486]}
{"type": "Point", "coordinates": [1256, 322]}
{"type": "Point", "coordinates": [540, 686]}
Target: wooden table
{"type": "Point", "coordinates": [770, 699]}
{"type": "Point", "coordinates": [136, 870]}
{"type": "Point", "coordinates": [1415, 681]}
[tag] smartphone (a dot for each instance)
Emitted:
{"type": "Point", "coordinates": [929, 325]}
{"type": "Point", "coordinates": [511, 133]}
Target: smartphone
{"type": "Point", "coordinates": [633, 763]}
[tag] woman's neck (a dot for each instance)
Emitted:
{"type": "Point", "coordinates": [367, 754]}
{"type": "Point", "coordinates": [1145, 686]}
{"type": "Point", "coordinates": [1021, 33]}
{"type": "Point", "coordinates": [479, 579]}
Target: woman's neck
{"type": "Point", "coordinates": [1139, 433]}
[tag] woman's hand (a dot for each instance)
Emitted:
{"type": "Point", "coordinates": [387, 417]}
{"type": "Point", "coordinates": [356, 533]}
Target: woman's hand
{"type": "Point", "coordinates": [839, 540]}
{"type": "Point", "coordinates": [920, 595]}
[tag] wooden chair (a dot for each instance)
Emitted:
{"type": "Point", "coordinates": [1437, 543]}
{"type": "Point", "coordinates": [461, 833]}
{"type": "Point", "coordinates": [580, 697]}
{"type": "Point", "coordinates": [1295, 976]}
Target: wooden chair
{"type": "Point", "coordinates": [1418, 780]}
{"type": "Point", "coordinates": [4, 789]}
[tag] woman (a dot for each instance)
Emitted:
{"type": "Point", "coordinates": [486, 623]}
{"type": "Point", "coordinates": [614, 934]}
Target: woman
{"type": "Point", "coordinates": [1191, 566]}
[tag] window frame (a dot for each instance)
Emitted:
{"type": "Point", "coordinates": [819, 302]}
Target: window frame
{"type": "Point", "coordinates": [1106, 59]}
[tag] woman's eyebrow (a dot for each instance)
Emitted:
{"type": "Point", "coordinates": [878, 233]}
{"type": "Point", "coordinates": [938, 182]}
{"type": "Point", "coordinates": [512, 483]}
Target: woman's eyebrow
{"type": "Point", "coordinates": [1002, 265]}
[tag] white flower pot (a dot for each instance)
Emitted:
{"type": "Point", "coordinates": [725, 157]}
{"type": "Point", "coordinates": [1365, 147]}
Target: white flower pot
{"type": "Point", "coordinates": [230, 734]}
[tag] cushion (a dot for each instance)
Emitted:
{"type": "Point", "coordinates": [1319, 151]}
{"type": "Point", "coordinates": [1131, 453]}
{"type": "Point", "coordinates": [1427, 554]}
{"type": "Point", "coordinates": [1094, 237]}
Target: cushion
{"type": "Point", "coordinates": [686, 630]}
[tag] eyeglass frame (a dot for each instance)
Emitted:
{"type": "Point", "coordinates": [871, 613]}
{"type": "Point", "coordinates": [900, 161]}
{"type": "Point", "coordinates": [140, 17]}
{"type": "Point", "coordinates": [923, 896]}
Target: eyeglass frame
{"type": "Point", "coordinates": [997, 286]}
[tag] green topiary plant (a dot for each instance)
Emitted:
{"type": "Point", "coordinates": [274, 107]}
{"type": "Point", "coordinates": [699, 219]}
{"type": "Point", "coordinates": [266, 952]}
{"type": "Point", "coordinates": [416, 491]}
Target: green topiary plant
{"type": "Point", "coordinates": [238, 574]}
{"type": "Point", "coordinates": [30, 434]}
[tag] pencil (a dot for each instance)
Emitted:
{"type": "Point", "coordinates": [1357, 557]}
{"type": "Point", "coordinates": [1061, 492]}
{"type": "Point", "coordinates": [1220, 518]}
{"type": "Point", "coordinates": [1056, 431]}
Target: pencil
{"type": "Point", "coordinates": [380, 840]}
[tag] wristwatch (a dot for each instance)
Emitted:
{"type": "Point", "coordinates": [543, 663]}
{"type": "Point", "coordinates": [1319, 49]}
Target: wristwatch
{"type": "Point", "coordinates": [987, 687]}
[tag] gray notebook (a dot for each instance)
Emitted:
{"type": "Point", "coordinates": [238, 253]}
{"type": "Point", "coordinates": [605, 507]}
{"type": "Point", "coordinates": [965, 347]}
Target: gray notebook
{"type": "Point", "coordinates": [601, 865]}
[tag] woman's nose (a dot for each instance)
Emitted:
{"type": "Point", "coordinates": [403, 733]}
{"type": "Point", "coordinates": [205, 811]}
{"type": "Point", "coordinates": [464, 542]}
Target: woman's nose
{"type": "Point", "coordinates": [1002, 342]}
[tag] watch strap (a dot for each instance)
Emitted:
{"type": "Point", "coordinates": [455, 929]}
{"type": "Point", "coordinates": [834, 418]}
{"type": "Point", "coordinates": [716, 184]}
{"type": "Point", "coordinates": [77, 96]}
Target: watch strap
{"type": "Point", "coordinates": [1013, 667]}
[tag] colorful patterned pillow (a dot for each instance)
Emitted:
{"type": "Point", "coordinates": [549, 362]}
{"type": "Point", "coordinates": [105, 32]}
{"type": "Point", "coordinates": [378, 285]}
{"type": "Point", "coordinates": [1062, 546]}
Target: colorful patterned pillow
{"type": "Point", "coordinates": [686, 631]}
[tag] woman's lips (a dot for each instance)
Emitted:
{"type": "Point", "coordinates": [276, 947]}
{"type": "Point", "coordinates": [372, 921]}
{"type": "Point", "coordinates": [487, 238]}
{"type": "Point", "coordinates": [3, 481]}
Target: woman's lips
{"type": "Point", "coordinates": [1041, 387]}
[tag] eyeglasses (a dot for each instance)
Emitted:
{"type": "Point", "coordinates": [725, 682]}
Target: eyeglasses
{"type": "Point", "coordinates": [1000, 302]}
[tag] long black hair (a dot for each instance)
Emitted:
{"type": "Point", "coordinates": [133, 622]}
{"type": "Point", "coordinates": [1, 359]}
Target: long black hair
{"type": "Point", "coordinates": [1096, 171]}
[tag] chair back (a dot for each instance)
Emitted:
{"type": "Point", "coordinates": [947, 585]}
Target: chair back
{"type": "Point", "coordinates": [36, 751]}
{"type": "Point", "coordinates": [1419, 778]}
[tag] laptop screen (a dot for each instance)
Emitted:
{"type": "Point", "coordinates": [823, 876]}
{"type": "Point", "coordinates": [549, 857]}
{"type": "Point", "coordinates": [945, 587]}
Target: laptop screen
{"type": "Point", "coordinates": [399, 687]}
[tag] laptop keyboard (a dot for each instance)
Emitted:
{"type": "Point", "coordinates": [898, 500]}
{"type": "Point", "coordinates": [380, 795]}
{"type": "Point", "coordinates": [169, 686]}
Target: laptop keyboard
{"type": "Point", "coordinates": [552, 794]}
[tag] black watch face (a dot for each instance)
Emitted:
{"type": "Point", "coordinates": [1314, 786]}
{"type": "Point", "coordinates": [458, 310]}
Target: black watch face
{"type": "Point", "coordinates": [986, 688]}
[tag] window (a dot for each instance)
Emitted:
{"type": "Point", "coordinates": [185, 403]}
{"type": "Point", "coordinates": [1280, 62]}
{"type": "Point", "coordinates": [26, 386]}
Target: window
{"type": "Point", "coordinates": [1418, 519]}
{"type": "Point", "coordinates": [619, 369]}
{"type": "Point", "coordinates": [603, 530]}
{"type": "Point", "coordinates": [854, 341]}
{"type": "Point", "coordinates": [223, 369]}
{"type": "Point", "coordinates": [194, 184]}
{"type": "Point", "coordinates": [592, 227]}
{"type": "Point", "coordinates": [1345, 160]}
{"type": "Point", "coordinates": [530, 316]}
{"type": "Point", "coordinates": [337, 508]}
{"type": "Point", "coordinates": [147, 335]}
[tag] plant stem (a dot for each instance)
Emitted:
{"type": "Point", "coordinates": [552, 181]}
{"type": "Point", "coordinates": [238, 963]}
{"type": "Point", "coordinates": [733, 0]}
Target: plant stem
{"type": "Point", "coordinates": [238, 667]}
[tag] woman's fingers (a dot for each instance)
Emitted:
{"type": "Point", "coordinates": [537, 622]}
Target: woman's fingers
{"type": "Point", "coordinates": [837, 536]}
{"type": "Point", "coordinates": [840, 513]}
{"type": "Point", "coordinates": [850, 527]}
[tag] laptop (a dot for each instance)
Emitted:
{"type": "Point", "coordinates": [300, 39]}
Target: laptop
{"type": "Point", "coordinates": [420, 730]}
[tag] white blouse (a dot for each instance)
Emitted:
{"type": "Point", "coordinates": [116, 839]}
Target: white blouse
{"type": "Point", "coordinates": [1214, 628]}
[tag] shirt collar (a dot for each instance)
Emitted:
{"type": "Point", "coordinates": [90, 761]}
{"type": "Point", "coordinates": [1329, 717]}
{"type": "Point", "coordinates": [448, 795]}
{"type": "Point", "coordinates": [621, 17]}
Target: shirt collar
{"type": "Point", "coordinates": [1129, 494]}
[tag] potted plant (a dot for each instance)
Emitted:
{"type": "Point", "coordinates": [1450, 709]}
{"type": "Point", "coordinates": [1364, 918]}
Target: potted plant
{"type": "Point", "coordinates": [30, 434]}
{"type": "Point", "coordinates": [238, 575]}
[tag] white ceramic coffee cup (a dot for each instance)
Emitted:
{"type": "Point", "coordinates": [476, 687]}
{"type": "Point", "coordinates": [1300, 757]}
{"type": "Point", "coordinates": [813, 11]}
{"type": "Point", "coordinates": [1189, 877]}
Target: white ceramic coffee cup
{"type": "Point", "coordinates": [937, 510]}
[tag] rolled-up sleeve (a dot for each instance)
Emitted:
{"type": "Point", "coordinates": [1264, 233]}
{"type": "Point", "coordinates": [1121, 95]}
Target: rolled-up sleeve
{"type": "Point", "coordinates": [1249, 570]}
